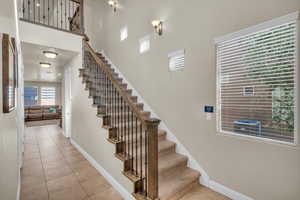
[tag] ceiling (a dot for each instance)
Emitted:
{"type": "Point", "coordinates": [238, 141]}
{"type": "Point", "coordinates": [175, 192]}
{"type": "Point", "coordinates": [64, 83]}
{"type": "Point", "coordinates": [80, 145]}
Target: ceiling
{"type": "Point", "coordinates": [33, 55]}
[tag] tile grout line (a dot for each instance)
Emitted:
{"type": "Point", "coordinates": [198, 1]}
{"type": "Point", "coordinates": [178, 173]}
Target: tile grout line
{"type": "Point", "coordinates": [44, 172]}
{"type": "Point", "coordinates": [69, 164]}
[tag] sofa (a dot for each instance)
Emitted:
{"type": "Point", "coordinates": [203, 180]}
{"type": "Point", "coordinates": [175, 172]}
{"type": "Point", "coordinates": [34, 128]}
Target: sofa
{"type": "Point", "coordinates": [39, 113]}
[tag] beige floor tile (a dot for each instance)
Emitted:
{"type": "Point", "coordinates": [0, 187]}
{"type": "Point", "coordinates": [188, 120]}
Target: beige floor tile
{"type": "Point", "coordinates": [108, 194]}
{"type": "Point", "coordinates": [86, 173]}
{"type": "Point", "coordinates": [34, 192]}
{"type": "Point", "coordinates": [95, 185]}
{"type": "Point", "coordinates": [80, 165]}
{"type": "Point", "coordinates": [73, 159]}
{"type": "Point", "coordinates": [73, 193]}
{"type": "Point", "coordinates": [32, 180]}
{"type": "Point", "coordinates": [52, 158]}
{"type": "Point", "coordinates": [57, 172]}
{"type": "Point", "coordinates": [62, 183]}
{"type": "Point", "coordinates": [32, 162]}
{"type": "Point", "coordinates": [54, 169]}
{"type": "Point", "coordinates": [33, 170]}
{"type": "Point", "coordinates": [31, 155]}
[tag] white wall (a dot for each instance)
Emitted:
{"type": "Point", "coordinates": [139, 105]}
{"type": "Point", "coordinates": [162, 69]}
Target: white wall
{"type": "Point", "coordinates": [39, 84]}
{"type": "Point", "coordinates": [44, 36]}
{"type": "Point", "coordinates": [9, 131]}
{"type": "Point", "coordinates": [260, 170]}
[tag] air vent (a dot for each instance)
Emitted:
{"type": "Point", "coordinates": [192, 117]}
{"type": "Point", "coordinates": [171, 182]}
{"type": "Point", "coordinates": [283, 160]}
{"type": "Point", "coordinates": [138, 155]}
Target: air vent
{"type": "Point", "coordinates": [176, 60]}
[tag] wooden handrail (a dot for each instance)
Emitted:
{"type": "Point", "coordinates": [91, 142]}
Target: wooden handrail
{"type": "Point", "coordinates": [117, 84]}
{"type": "Point", "coordinates": [148, 185]}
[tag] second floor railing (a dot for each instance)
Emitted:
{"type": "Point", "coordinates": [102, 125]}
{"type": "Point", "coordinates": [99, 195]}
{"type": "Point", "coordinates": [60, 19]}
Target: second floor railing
{"type": "Point", "coordinates": [66, 15]}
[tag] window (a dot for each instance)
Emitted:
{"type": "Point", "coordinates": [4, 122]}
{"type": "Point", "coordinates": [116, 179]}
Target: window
{"type": "Point", "coordinates": [144, 44]}
{"type": "Point", "coordinates": [176, 60]}
{"type": "Point", "coordinates": [124, 33]}
{"type": "Point", "coordinates": [48, 96]}
{"type": "Point", "coordinates": [257, 81]}
{"type": "Point", "coordinates": [30, 96]}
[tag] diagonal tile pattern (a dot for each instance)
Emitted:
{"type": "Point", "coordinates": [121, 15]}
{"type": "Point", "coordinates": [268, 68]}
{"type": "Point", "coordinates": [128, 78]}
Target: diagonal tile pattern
{"type": "Point", "coordinates": [54, 170]}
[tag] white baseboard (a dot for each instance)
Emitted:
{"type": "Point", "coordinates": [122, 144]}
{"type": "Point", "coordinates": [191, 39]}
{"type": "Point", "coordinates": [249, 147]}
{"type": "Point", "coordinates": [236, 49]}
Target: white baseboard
{"type": "Point", "coordinates": [19, 188]}
{"type": "Point", "coordinates": [180, 148]}
{"type": "Point", "coordinates": [228, 192]}
{"type": "Point", "coordinates": [123, 192]}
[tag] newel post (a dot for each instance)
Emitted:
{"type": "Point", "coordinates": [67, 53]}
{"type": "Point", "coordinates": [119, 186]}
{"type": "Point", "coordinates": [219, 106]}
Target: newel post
{"type": "Point", "coordinates": [152, 132]}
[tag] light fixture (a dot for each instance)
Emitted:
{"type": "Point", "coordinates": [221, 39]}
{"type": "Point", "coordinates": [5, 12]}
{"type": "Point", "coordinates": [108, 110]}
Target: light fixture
{"type": "Point", "coordinates": [158, 25]}
{"type": "Point", "coordinates": [38, 4]}
{"type": "Point", "coordinates": [45, 65]}
{"type": "Point", "coordinates": [50, 54]}
{"type": "Point", "coordinates": [113, 4]}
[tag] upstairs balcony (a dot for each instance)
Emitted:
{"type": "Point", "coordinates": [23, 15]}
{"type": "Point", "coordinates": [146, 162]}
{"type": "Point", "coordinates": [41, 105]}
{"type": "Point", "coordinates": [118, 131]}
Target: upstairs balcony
{"type": "Point", "coordinates": [63, 15]}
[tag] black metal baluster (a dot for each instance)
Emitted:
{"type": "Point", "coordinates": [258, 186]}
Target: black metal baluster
{"type": "Point", "coordinates": [141, 151]}
{"type": "Point", "coordinates": [126, 131]}
{"type": "Point", "coordinates": [48, 12]}
{"type": "Point", "coordinates": [61, 21]}
{"type": "Point", "coordinates": [44, 17]}
{"type": "Point", "coordinates": [28, 4]}
{"type": "Point", "coordinates": [121, 120]}
{"type": "Point", "coordinates": [132, 141]}
{"type": "Point", "coordinates": [23, 9]}
{"type": "Point", "coordinates": [70, 16]}
{"type": "Point", "coordinates": [39, 11]}
{"type": "Point", "coordinates": [112, 104]}
{"type": "Point", "coordinates": [57, 23]}
{"type": "Point", "coordinates": [146, 163]}
{"type": "Point", "coordinates": [65, 14]}
{"type": "Point", "coordinates": [53, 13]}
{"type": "Point", "coordinates": [115, 105]}
{"type": "Point", "coordinates": [136, 146]}
{"type": "Point", "coordinates": [34, 10]}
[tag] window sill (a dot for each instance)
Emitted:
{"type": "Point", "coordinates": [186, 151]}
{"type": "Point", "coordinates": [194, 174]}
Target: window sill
{"type": "Point", "coordinates": [293, 145]}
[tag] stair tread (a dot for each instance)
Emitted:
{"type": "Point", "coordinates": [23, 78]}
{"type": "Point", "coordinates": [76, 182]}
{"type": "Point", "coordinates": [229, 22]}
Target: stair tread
{"type": "Point", "coordinates": [170, 185]}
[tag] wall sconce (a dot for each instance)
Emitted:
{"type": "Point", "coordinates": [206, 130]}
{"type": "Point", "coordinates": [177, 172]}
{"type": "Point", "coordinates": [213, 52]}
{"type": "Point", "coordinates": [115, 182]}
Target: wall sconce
{"type": "Point", "coordinates": [158, 25]}
{"type": "Point", "coordinates": [113, 4]}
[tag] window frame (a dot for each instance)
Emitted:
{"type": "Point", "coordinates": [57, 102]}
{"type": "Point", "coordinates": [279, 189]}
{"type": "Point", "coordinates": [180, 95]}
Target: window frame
{"type": "Point", "coordinates": [293, 17]}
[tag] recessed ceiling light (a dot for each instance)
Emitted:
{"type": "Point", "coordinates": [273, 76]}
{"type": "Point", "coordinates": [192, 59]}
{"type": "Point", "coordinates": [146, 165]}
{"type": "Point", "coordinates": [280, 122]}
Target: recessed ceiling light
{"type": "Point", "coordinates": [45, 65]}
{"type": "Point", "coordinates": [38, 5]}
{"type": "Point", "coordinates": [50, 54]}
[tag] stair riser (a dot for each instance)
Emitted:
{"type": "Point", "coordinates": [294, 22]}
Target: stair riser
{"type": "Point", "coordinates": [183, 191]}
{"type": "Point", "coordinates": [170, 171]}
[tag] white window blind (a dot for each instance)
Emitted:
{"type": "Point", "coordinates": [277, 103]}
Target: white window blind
{"type": "Point", "coordinates": [176, 60]}
{"type": "Point", "coordinates": [48, 95]}
{"type": "Point", "coordinates": [251, 70]}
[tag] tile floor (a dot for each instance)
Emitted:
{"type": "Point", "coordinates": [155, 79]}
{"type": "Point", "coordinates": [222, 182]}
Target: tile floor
{"type": "Point", "coordinates": [54, 170]}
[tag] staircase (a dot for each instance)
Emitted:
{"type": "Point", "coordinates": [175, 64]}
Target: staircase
{"type": "Point", "coordinates": [150, 160]}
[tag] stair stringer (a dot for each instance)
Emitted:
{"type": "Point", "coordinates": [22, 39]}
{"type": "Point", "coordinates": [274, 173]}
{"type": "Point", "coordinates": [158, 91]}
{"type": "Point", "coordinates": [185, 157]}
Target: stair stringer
{"type": "Point", "coordinates": [180, 148]}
